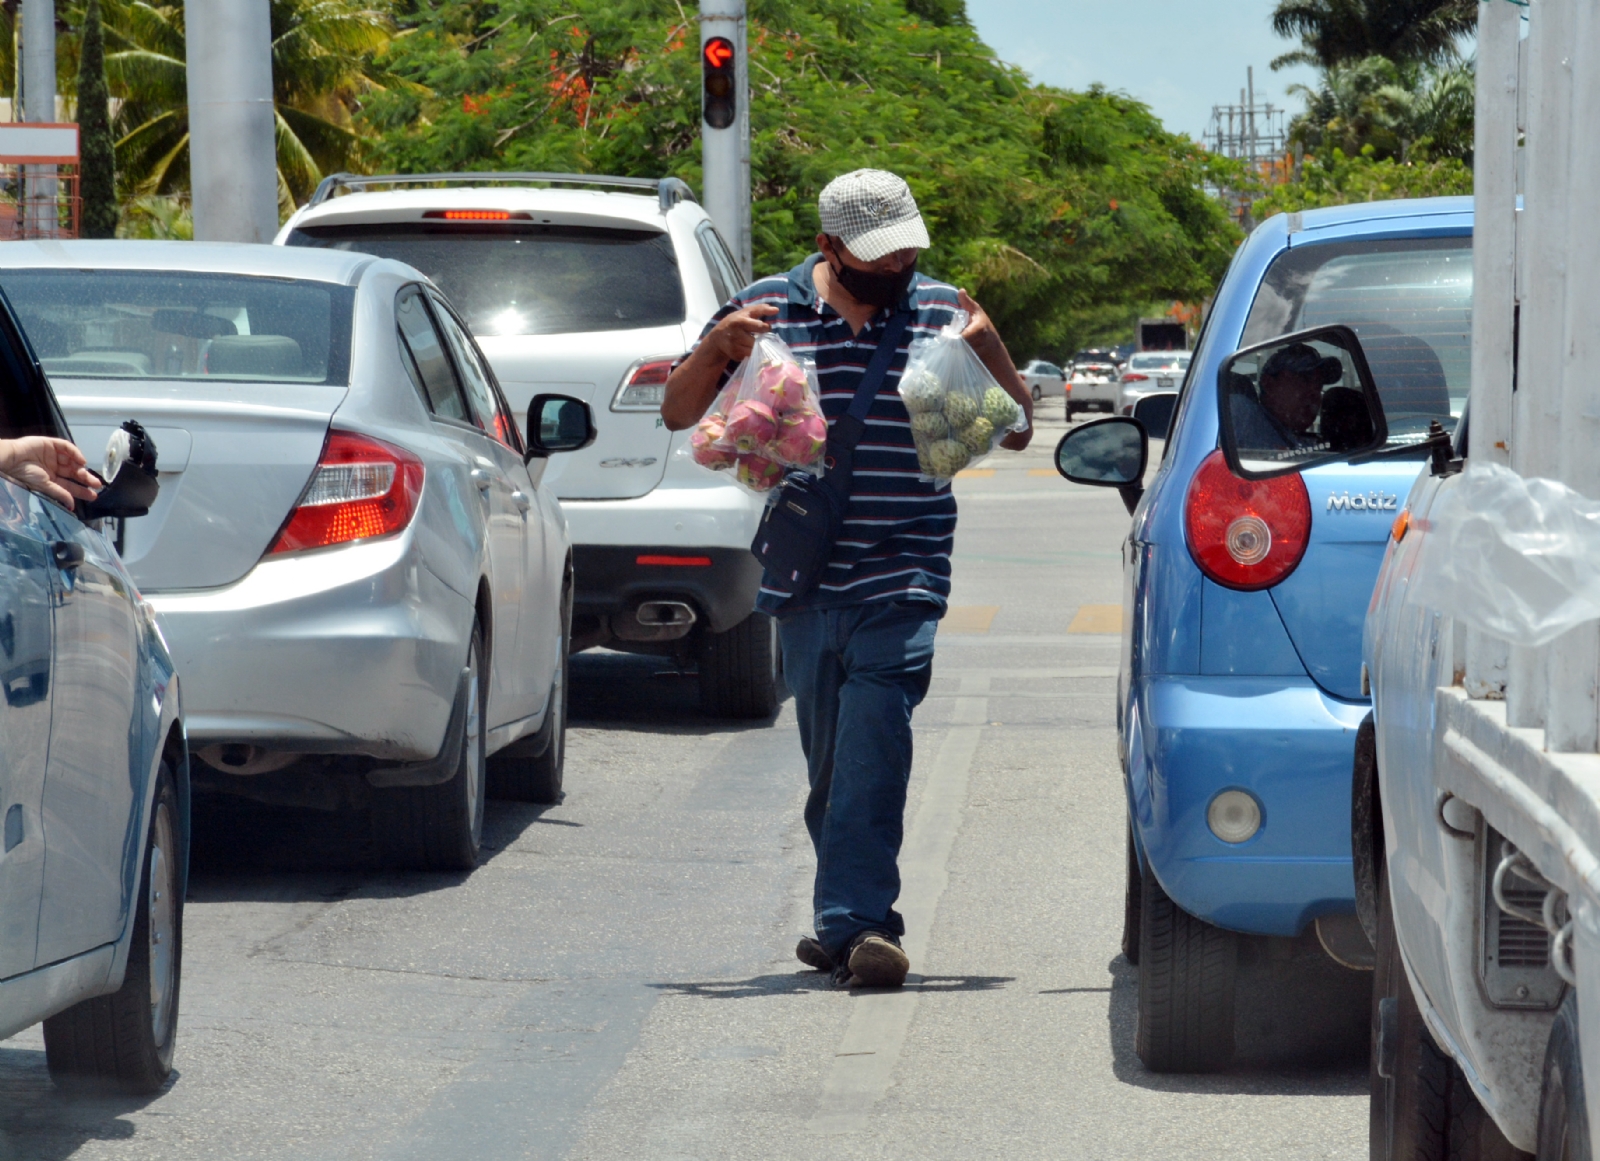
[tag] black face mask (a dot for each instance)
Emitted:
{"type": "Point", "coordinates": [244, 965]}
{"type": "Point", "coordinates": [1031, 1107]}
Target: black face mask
{"type": "Point", "coordinates": [874, 289]}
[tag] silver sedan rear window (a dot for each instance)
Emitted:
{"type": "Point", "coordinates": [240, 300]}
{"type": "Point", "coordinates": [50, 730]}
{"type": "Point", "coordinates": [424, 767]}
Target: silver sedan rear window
{"type": "Point", "coordinates": [154, 324]}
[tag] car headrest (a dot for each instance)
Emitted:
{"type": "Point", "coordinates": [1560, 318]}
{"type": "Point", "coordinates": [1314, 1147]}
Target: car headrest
{"type": "Point", "coordinates": [269, 356]}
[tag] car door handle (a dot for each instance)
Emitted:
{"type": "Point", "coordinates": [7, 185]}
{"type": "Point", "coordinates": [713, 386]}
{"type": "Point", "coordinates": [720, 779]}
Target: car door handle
{"type": "Point", "coordinates": [482, 478]}
{"type": "Point", "coordinates": [520, 499]}
{"type": "Point", "coordinates": [68, 555]}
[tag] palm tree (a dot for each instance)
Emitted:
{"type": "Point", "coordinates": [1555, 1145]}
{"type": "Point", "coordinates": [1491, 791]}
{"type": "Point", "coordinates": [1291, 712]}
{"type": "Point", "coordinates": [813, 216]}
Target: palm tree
{"type": "Point", "coordinates": [1341, 32]}
{"type": "Point", "coordinates": [1400, 111]}
{"type": "Point", "coordinates": [322, 64]}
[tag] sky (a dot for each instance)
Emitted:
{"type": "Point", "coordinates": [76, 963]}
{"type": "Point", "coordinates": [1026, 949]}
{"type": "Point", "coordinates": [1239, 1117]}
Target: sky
{"type": "Point", "coordinates": [1180, 57]}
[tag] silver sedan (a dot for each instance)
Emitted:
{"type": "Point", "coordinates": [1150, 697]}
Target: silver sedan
{"type": "Point", "coordinates": [363, 584]}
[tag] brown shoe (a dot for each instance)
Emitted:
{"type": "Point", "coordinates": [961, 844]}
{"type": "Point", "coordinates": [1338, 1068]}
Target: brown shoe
{"type": "Point", "coordinates": [875, 960]}
{"type": "Point", "coordinates": [809, 952]}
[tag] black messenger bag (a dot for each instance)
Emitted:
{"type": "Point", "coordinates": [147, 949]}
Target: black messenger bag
{"type": "Point", "coordinates": [800, 525]}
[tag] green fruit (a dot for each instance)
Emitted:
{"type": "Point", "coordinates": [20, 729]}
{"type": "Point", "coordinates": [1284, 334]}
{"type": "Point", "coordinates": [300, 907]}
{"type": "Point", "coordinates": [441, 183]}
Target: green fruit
{"type": "Point", "coordinates": [960, 410]}
{"type": "Point", "coordinates": [976, 435]}
{"type": "Point", "coordinates": [999, 408]}
{"type": "Point", "coordinates": [930, 424]}
{"type": "Point", "coordinates": [921, 391]}
{"type": "Point", "coordinates": [946, 457]}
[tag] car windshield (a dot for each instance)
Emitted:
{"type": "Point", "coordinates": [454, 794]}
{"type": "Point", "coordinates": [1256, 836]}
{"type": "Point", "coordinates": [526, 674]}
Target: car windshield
{"type": "Point", "coordinates": [155, 324]}
{"type": "Point", "coordinates": [1409, 301]}
{"type": "Point", "coordinates": [531, 280]}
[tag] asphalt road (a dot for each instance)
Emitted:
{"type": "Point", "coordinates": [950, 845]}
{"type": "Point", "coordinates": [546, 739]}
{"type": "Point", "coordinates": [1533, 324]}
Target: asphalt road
{"type": "Point", "coordinates": [617, 981]}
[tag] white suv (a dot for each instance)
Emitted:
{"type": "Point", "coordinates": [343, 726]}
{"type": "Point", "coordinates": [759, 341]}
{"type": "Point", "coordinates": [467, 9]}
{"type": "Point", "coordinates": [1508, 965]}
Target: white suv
{"type": "Point", "coordinates": [593, 292]}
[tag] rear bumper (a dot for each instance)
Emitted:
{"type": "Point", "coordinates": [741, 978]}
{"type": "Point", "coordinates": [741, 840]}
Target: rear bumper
{"type": "Point", "coordinates": [1285, 742]}
{"type": "Point", "coordinates": [609, 579]}
{"type": "Point", "coordinates": [691, 513]}
{"type": "Point", "coordinates": [351, 650]}
{"type": "Point", "coordinates": [1102, 394]}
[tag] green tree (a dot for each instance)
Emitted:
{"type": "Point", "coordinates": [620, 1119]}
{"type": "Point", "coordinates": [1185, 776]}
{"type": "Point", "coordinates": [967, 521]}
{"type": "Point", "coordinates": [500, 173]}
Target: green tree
{"type": "Point", "coordinates": [1398, 110]}
{"type": "Point", "coordinates": [322, 52]}
{"type": "Point", "coordinates": [1057, 209]}
{"type": "Point", "coordinates": [97, 179]}
{"type": "Point", "coordinates": [1337, 179]}
{"type": "Point", "coordinates": [1338, 32]}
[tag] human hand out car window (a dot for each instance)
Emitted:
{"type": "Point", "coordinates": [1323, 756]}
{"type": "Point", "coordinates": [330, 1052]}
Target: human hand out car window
{"type": "Point", "coordinates": [51, 466]}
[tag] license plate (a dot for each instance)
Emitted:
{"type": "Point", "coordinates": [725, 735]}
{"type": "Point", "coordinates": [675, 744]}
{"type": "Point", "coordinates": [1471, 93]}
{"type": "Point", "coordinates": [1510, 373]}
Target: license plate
{"type": "Point", "coordinates": [1163, 382]}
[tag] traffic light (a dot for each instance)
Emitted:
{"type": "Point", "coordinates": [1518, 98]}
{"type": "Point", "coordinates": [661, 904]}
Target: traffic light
{"type": "Point", "coordinates": [720, 89]}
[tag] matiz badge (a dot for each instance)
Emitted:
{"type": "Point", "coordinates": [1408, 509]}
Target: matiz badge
{"type": "Point", "coordinates": [1368, 502]}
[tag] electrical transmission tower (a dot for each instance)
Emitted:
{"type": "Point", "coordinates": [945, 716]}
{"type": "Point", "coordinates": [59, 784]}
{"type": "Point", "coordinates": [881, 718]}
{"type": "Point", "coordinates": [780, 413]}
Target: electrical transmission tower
{"type": "Point", "coordinates": [1248, 131]}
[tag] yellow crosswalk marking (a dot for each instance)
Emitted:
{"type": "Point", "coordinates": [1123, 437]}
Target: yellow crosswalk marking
{"type": "Point", "coordinates": [1044, 472]}
{"type": "Point", "coordinates": [1097, 619]}
{"type": "Point", "coordinates": [975, 474]}
{"type": "Point", "coordinates": [968, 618]}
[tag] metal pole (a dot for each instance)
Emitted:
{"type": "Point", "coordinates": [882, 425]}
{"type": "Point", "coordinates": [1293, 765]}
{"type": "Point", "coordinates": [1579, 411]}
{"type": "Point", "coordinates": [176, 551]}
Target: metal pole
{"type": "Point", "coordinates": [39, 104]}
{"type": "Point", "coordinates": [232, 141]}
{"type": "Point", "coordinates": [725, 153]}
{"type": "Point", "coordinates": [1250, 107]}
{"type": "Point", "coordinates": [1490, 664]}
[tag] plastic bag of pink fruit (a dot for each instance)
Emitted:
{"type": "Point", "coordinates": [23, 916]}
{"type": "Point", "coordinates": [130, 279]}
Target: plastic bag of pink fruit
{"type": "Point", "coordinates": [767, 421]}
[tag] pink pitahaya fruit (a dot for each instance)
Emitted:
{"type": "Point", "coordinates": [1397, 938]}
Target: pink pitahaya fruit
{"type": "Point", "coordinates": [707, 447]}
{"type": "Point", "coordinates": [751, 425]}
{"type": "Point", "coordinates": [758, 472]}
{"type": "Point", "coordinates": [781, 386]}
{"type": "Point", "coordinates": [801, 437]}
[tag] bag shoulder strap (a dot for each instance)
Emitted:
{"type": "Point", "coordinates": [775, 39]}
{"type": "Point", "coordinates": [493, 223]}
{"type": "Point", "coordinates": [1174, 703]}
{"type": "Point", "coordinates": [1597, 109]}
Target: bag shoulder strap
{"type": "Point", "coordinates": [872, 378]}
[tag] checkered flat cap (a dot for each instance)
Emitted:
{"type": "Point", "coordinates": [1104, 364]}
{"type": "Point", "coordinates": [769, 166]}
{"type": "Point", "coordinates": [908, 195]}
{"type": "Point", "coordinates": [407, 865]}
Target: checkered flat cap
{"type": "Point", "coordinates": [872, 212]}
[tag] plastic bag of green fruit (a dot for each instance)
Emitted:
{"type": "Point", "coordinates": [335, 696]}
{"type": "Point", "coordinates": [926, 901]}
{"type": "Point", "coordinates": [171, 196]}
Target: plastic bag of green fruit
{"type": "Point", "coordinates": [958, 411]}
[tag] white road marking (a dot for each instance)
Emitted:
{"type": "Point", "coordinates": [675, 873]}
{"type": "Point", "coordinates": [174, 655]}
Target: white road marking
{"type": "Point", "coordinates": [864, 1064]}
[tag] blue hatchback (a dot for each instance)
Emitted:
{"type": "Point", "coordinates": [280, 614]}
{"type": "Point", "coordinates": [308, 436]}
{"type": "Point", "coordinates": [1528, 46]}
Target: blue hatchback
{"type": "Point", "coordinates": [1241, 688]}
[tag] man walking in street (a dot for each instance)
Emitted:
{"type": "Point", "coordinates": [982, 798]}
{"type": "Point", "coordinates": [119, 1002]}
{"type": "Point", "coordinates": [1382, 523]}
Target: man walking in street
{"type": "Point", "coordinates": [858, 645]}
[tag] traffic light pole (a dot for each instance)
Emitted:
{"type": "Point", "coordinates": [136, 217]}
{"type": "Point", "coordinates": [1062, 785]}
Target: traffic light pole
{"type": "Point", "coordinates": [725, 142]}
{"type": "Point", "coordinates": [233, 157]}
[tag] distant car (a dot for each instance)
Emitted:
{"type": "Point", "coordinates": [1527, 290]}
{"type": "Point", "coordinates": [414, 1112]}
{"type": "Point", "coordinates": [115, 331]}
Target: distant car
{"type": "Point", "coordinates": [1044, 380]}
{"type": "Point", "coordinates": [1093, 385]}
{"type": "Point", "coordinates": [594, 292]}
{"type": "Point", "coordinates": [359, 567]}
{"type": "Point", "coordinates": [94, 782]}
{"type": "Point", "coordinates": [1149, 373]}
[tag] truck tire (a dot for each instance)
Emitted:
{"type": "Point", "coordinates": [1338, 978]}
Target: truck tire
{"type": "Point", "coordinates": [1563, 1117]}
{"type": "Point", "coordinates": [1186, 981]}
{"type": "Point", "coordinates": [440, 828]}
{"type": "Point", "coordinates": [741, 670]}
{"type": "Point", "coordinates": [125, 1040]}
{"type": "Point", "coordinates": [1131, 894]}
{"type": "Point", "coordinates": [1422, 1108]}
{"type": "Point", "coordinates": [530, 769]}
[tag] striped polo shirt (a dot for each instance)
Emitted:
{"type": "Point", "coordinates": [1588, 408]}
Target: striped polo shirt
{"type": "Point", "coordinates": [898, 529]}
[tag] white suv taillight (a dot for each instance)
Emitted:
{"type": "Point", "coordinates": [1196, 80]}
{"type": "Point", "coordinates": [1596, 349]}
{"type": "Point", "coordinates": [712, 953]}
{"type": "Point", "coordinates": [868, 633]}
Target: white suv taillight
{"type": "Point", "coordinates": [644, 386]}
{"type": "Point", "coordinates": [362, 488]}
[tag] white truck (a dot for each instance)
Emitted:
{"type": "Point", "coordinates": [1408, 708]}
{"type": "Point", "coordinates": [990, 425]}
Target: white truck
{"type": "Point", "coordinates": [1476, 789]}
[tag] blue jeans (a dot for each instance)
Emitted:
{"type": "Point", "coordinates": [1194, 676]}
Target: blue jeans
{"type": "Point", "coordinates": [857, 673]}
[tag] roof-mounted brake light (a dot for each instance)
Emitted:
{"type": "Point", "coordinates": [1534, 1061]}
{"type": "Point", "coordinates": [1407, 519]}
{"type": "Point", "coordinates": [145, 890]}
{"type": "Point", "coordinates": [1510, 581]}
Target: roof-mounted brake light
{"type": "Point", "coordinates": [478, 216]}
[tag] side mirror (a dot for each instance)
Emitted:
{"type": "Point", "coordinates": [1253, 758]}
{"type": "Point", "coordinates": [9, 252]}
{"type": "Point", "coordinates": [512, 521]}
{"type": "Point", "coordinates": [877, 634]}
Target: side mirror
{"type": "Point", "coordinates": [1107, 453]}
{"type": "Point", "coordinates": [1297, 402]}
{"type": "Point", "coordinates": [1155, 412]}
{"type": "Point", "coordinates": [129, 474]}
{"type": "Point", "coordinates": [559, 423]}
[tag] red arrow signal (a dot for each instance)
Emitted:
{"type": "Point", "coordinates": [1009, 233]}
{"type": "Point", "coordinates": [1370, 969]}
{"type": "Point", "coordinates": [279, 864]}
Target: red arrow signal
{"type": "Point", "coordinates": [718, 52]}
